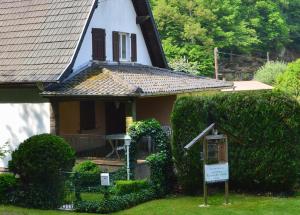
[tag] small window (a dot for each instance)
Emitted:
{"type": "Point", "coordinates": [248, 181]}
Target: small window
{"type": "Point", "coordinates": [124, 47]}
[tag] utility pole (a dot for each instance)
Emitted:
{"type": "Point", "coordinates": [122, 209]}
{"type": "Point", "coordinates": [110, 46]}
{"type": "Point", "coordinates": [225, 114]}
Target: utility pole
{"type": "Point", "coordinates": [216, 63]}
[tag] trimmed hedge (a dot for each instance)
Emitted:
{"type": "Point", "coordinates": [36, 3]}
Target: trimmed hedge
{"type": "Point", "coordinates": [8, 184]}
{"type": "Point", "coordinates": [132, 186]}
{"type": "Point", "coordinates": [39, 161]}
{"type": "Point", "coordinates": [115, 203]}
{"type": "Point", "coordinates": [264, 156]}
{"type": "Point", "coordinates": [87, 173]}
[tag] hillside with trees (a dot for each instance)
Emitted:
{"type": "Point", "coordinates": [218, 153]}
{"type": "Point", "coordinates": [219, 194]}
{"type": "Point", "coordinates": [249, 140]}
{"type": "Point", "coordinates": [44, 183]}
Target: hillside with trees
{"type": "Point", "coordinates": [191, 29]}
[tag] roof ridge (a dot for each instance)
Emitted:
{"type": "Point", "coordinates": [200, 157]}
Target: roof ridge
{"type": "Point", "coordinates": [128, 85]}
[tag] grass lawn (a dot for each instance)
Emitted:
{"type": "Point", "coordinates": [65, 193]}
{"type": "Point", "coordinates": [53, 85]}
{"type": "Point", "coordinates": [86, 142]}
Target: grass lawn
{"type": "Point", "coordinates": [241, 205]}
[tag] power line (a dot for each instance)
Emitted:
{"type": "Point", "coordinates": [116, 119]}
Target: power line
{"type": "Point", "coordinates": [241, 55]}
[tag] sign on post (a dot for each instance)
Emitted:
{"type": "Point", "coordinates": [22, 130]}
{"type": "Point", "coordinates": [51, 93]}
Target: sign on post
{"type": "Point", "coordinates": [216, 173]}
{"type": "Point", "coordinates": [215, 158]}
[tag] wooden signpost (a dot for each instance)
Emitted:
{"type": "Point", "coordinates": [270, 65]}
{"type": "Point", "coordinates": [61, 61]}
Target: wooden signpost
{"type": "Point", "coordinates": [215, 160]}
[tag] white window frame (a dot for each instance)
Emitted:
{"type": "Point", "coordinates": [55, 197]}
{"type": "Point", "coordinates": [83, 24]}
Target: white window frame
{"type": "Point", "coordinates": [128, 47]}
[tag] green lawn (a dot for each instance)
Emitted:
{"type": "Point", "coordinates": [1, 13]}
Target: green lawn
{"type": "Point", "coordinates": [241, 205]}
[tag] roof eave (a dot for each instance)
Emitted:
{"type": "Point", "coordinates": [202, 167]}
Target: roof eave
{"type": "Point", "coordinates": [136, 95]}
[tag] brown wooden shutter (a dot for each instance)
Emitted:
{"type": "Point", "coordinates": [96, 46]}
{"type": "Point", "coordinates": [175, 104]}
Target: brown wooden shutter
{"type": "Point", "coordinates": [133, 48]}
{"type": "Point", "coordinates": [98, 40]}
{"type": "Point", "coordinates": [116, 46]}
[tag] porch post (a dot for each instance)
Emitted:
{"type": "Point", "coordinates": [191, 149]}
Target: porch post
{"type": "Point", "coordinates": [54, 117]}
{"type": "Point", "coordinates": [133, 109]}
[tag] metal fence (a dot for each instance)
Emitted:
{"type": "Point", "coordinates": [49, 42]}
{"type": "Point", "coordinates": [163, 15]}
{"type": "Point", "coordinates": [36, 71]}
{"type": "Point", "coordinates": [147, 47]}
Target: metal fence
{"type": "Point", "coordinates": [86, 187]}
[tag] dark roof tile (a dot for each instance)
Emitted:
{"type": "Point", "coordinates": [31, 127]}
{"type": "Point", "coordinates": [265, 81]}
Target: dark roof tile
{"type": "Point", "coordinates": [131, 80]}
{"type": "Point", "coordinates": [39, 32]}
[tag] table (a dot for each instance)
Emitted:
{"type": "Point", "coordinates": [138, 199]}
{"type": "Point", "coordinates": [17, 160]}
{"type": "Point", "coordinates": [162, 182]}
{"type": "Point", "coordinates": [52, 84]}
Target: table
{"type": "Point", "coordinates": [114, 141]}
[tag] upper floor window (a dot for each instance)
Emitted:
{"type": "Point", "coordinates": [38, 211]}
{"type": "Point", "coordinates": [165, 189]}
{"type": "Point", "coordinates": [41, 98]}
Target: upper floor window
{"type": "Point", "coordinates": [124, 47]}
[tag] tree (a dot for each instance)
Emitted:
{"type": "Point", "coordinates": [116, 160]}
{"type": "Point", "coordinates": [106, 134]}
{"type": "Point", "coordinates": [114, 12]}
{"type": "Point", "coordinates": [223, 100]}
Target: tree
{"type": "Point", "coordinates": [4, 150]}
{"type": "Point", "coordinates": [191, 29]}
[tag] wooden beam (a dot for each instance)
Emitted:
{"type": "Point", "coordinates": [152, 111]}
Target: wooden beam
{"type": "Point", "coordinates": [54, 117]}
{"type": "Point", "coordinates": [201, 135]}
{"type": "Point", "coordinates": [133, 109]}
{"type": "Point", "coordinates": [141, 19]}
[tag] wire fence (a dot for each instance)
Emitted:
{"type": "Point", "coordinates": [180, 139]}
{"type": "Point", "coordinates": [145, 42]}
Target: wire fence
{"type": "Point", "coordinates": [239, 67]}
{"type": "Point", "coordinates": [86, 186]}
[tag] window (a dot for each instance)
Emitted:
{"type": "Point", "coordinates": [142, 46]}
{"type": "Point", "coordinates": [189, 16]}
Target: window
{"type": "Point", "coordinates": [87, 115]}
{"type": "Point", "coordinates": [124, 47]}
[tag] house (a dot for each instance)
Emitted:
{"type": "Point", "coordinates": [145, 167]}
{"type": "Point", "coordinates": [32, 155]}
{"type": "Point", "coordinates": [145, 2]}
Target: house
{"type": "Point", "coordinates": [80, 68]}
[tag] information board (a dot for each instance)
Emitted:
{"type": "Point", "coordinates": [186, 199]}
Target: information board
{"type": "Point", "coordinates": [216, 172]}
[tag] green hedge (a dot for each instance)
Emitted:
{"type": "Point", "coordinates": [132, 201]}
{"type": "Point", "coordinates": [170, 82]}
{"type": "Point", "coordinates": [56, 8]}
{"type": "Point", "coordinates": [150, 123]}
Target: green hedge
{"type": "Point", "coordinates": [87, 173]}
{"type": "Point", "coordinates": [39, 161]}
{"type": "Point", "coordinates": [8, 183]}
{"type": "Point", "coordinates": [265, 154]}
{"type": "Point", "coordinates": [115, 203]}
{"type": "Point", "coordinates": [132, 186]}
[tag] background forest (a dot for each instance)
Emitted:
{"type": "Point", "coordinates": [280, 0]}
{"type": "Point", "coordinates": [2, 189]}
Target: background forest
{"type": "Point", "coordinates": [190, 29]}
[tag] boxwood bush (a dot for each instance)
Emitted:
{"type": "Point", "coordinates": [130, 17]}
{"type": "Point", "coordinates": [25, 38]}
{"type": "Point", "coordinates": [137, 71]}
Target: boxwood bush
{"type": "Point", "coordinates": [39, 161]}
{"type": "Point", "coordinates": [88, 173]}
{"type": "Point", "coordinates": [123, 187]}
{"type": "Point", "coordinates": [8, 183]}
{"type": "Point", "coordinates": [264, 138]}
{"type": "Point", "coordinates": [115, 203]}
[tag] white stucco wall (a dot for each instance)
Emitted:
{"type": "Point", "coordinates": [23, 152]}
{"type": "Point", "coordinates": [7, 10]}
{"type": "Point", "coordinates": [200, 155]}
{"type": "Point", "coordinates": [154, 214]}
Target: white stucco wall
{"type": "Point", "coordinates": [113, 15]}
{"type": "Point", "coordinates": [23, 113]}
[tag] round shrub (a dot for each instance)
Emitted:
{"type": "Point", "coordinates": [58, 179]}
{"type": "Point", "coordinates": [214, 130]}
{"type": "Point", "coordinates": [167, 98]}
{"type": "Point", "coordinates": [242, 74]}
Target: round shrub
{"type": "Point", "coordinates": [289, 81]}
{"type": "Point", "coordinates": [88, 173]}
{"type": "Point", "coordinates": [39, 161]}
{"type": "Point", "coordinates": [8, 183]}
{"type": "Point", "coordinates": [264, 139]}
{"type": "Point", "coordinates": [270, 71]}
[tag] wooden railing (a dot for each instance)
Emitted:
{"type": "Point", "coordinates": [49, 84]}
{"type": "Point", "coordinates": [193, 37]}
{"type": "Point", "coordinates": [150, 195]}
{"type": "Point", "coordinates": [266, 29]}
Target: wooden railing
{"type": "Point", "coordinates": [84, 142]}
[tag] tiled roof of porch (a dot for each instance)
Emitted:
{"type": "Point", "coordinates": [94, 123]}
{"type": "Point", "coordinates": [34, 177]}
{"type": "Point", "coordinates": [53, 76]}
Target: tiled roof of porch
{"type": "Point", "coordinates": [131, 80]}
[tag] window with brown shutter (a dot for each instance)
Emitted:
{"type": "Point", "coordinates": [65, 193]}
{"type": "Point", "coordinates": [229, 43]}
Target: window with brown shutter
{"type": "Point", "coordinates": [133, 48]}
{"type": "Point", "coordinates": [116, 46]}
{"type": "Point", "coordinates": [98, 40]}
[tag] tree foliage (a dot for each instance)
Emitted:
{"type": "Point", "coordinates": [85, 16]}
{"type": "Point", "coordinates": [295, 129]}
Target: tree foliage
{"type": "Point", "coordinates": [289, 81]}
{"type": "Point", "coordinates": [191, 29]}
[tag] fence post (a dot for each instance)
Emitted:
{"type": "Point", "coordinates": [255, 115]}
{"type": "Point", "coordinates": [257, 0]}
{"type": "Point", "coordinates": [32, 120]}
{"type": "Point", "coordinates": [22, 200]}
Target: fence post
{"type": "Point", "coordinates": [216, 63]}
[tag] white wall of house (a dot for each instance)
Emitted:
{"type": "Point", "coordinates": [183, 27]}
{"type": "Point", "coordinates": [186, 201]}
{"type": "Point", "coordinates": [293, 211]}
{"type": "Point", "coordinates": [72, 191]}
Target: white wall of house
{"type": "Point", "coordinates": [23, 113]}
{"type": "Point", "coordinates": [113, 15]}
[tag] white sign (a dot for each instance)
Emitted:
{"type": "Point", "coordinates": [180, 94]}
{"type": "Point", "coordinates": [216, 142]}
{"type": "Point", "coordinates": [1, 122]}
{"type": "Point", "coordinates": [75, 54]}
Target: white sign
{"type": "Point", "coordinates": [105, 179]}
{"type": "Point", "coordinates": [216, 172]}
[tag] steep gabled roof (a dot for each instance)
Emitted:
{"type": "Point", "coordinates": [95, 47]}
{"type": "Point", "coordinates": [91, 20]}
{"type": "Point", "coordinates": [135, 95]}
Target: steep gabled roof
{"type": "Point", "coordinates": [150, 33]}
{"type": "Point", "coordinates": [39, 39]}
{"type": "Point", "coordinates": [131, 80]}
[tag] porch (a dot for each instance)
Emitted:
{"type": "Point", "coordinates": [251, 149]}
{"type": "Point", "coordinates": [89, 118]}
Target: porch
{"type": "Point", "coordinates": [90, 125]}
